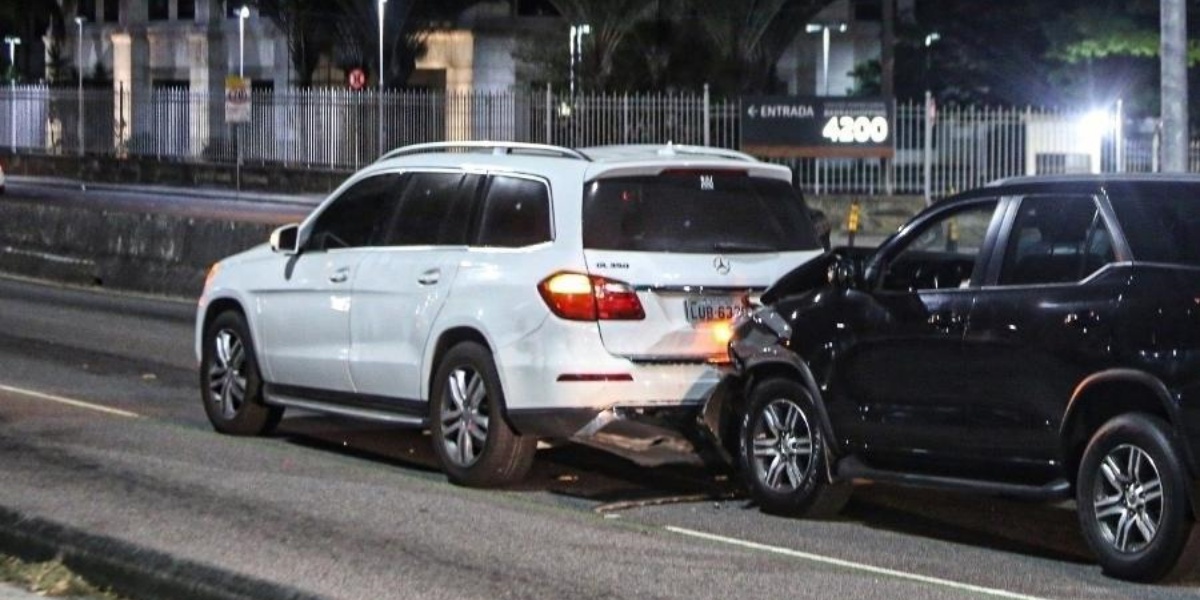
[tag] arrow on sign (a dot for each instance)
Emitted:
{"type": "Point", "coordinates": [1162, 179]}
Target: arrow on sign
{"type": "Point", "coordinates": [752, 111]}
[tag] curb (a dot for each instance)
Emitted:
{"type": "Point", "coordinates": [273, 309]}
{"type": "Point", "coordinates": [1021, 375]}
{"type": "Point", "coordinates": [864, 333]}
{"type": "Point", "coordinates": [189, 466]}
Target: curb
{"type": "Point", "coordinates": [130, 570]}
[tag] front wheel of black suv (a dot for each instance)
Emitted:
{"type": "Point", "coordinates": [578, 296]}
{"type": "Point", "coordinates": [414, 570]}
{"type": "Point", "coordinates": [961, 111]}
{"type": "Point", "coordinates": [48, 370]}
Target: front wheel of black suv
{"type": "Point", "coordinates": [783, 453]}
{"type": "Point", "coordinates": [1133, 501]}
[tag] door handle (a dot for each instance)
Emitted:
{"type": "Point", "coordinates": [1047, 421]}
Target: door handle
{"type": "Point", "coordinates": [340, 275]}
{"type": "Point", "coordinates": [430, 277]}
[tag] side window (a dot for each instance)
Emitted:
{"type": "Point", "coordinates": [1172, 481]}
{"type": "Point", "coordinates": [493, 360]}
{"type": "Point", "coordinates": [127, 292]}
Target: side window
{"type": "Point", "coordinates": [434, 209]}
{"type": "Point", "coordinates": [943, 254]}
{"type": "Point", "coordinates": [357, 217]}
{"type": "Point", "coordinates": [516, 212]}
{"type": "Point", "coordinates": [1055, 239]}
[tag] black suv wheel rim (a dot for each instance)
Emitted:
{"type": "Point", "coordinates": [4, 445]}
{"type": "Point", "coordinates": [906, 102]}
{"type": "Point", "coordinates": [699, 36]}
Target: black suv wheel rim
{"type": "Point", "coordinates": [226, 376]}
{"type": "Point", "coordinates": [1128, 499]}
{"type": "Point", "coordinates": [464, 416]}
{"type": "Point", "coordinates": [783, 446]}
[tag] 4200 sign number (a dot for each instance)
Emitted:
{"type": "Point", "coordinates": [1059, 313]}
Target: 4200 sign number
{"type": "Point", "coordinates": [856, 130]}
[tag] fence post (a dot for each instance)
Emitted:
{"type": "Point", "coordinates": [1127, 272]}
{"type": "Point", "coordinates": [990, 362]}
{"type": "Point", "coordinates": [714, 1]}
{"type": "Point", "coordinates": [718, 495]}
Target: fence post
{"type": "Point", "coordinates": [928, 148]}
{"type": "Point", "coordinates": [549, 114]}
{"type": "Point", "coordinates": [625, 117]}
{"type": "Point", "coordinates": [707, 116]}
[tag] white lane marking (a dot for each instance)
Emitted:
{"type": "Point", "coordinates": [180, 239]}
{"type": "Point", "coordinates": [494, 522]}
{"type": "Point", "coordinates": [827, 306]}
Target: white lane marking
{"type": "Point", "coordinates": [69, 402]}
{"type": "Point", "coordinates": [837, 562]}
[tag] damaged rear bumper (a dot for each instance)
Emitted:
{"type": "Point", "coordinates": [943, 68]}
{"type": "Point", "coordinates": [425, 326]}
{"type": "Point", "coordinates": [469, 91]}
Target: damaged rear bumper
{"type": "Point", "coordinates": [647, 434]}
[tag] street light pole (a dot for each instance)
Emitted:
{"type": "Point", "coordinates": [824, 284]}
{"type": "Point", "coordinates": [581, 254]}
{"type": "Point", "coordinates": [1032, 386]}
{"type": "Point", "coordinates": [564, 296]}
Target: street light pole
{"type": "Point", "coordinates": [79, 71]}
{"type": "Point", "coordinates": [243, 13]}
{"type": "Point", "coordinates": [12, 42]}
{"type": "Point", "coordinates": [930, 113]}
{"type": "Point", "coordinates": [379, 109]}
{"type": "Point", "coordinates": [825, 30]}
{"type": "Point", "coordinates": [576, 47]}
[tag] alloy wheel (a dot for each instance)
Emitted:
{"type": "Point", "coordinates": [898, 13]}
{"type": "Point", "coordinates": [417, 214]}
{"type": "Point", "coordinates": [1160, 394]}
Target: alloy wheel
{"type": "Point", "coordinates": [464, 416]}
{"type": "Point", "coordinates": [1128, 499]}
{"type": "Point", "coordinates": [226, 373]}
{"type": "Point", "coordinates": [783, 446]}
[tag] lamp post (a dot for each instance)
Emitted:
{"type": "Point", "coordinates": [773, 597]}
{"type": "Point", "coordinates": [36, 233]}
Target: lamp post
{"type": "Point", "coordinates": [930, 115]}
{"type": "Point", "coordinates": [576, 48]}
{"type": "Point", "coordinates": [12, 42]}
{"type": "Point", "coordinates": [379, 109]}
{"type": "Point", "coordinates": [79, 71]}
{"type": "Point", "coordinates": [825, 29]}
{"type": "Point", "coordinates": [243, 13]}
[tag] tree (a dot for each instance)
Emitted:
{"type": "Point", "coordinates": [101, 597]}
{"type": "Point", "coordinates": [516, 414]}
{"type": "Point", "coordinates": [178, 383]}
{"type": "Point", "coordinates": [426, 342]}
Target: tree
{"type": "Point", "coordinates": [611, 21]}
{"type": "Point", "coordinates": [305, 25]}
{"type": "Point", "coordinates": [30, 20]}
{"type": "Point", "coordinates": [749, 36]}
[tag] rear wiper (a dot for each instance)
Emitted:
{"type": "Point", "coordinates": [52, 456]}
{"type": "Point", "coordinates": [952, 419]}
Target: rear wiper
{"type": "Point", "coordinates": [742, 247]}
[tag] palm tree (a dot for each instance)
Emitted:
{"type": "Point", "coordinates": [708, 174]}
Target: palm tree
{"type": "Point", "coordinates": [749, 36]}
{"type": "Point", "coordinates": [610, 21]}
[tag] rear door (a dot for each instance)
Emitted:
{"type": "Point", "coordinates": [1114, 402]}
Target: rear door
{"type": "Point", "coordinates": [696, 246]}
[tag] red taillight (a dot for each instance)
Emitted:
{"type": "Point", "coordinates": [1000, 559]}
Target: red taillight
{"type": "Point", "coordinates": [579, 297]}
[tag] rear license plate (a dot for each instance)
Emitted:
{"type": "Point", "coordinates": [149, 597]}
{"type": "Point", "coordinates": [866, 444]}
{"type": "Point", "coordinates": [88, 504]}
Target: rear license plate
{"type": "Point", "coordinates": [714, 308]}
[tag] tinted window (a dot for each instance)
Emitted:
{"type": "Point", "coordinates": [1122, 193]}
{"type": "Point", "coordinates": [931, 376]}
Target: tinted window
{"type": "Point", "coordinates": [516, 212]}
{"type": "Point", "coordinates": [943, 254]}
{"type": "Point", "coordinates": [1055, 239]}
{"type": "Point", "coordinates": [433, 210]}
{"type": "Point", "coordinates": [696, 213]}
{"type": "Point", "coordinates": [1161, 223]}
{"type": "Point", "coordinates": [357, 217]}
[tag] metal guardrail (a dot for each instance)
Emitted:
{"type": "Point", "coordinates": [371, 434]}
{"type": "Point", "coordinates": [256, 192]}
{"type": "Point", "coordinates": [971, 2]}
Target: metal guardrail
{"type": "Point", "coordinates": [340, 129]}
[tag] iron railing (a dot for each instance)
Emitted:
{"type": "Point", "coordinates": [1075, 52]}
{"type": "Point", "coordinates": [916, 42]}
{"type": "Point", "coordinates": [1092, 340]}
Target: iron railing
{"type": "Point", "coordinates": [343, 130]}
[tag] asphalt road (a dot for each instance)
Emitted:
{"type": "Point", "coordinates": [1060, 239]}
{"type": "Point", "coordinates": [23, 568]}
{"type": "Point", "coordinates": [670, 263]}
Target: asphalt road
{"type": "Point", "coordinates": [101, 429]}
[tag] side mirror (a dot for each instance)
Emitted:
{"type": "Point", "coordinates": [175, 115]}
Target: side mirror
{"type": "Point", "coordinates": [286, 239]}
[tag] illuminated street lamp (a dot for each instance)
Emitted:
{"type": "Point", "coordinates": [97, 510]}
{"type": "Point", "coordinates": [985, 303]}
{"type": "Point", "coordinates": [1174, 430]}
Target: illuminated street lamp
{"type": "Point", "coordinates": [12, 42]}
{"type": "Point", "coordinates": [930, 115]}
{"type": "Point", "coordinates": [576, 47]}
{"type": "Point", "coordinates": [824, 29]}
{"type": "Point", "coordinates": [379, 113]}
{"type": "Point", "coordinates": [243, 13]}
{"type": "Point", "coordinates": [79, 71]}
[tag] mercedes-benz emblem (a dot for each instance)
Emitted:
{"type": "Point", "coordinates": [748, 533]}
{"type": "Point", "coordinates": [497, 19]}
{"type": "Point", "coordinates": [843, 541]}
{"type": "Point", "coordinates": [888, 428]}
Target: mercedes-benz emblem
{"type": "Point", "coordinates": [722, 265]}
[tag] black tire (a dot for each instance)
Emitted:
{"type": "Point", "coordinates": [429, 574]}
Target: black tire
{"type": "Point", "coordinates": [467, 409]}
{"type": "Point", "coordinates": [230, 382]}
{"type": "Point", "coordinates": [1119, 499]}
{"type": "Point", "coordinates": [787, 475]}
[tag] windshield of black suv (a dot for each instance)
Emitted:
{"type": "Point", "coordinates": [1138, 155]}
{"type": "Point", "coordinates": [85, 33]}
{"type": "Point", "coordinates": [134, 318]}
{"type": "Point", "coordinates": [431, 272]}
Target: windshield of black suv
{"type": "Point", "coordinates": [696, 212]}
{"type": "Point", "coordinates": [1161, 223]}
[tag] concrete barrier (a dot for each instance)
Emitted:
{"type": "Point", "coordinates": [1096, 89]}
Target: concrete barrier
{"type": "Point", "coordinates": [150, 253]}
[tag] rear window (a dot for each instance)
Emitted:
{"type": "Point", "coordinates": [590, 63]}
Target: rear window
{"type": "Point", "coordinates": [696, 213]}
{"type": "Point", "coordinates": [1161, 223]}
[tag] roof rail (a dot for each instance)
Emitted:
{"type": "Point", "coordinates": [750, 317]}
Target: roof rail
{"type": "Point", "coordinates": [495, 147]}
{"type": "Point", "coordinates": [706, 151]}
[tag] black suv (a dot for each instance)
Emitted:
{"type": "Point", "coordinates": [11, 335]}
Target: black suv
{"type": "Point", "coordinates": [1037, 338]}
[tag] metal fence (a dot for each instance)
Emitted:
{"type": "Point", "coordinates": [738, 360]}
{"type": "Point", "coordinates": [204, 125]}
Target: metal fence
{"type": "Point", "coordinates": [344, 130]}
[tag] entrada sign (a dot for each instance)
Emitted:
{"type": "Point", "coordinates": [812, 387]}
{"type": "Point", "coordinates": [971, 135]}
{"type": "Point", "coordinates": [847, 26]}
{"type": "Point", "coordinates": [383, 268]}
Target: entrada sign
{"type": "Point", "coordinates": [792, 126]}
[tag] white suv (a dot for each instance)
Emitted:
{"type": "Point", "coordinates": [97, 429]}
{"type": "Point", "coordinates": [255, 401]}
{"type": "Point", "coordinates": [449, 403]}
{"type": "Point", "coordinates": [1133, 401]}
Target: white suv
{"type": "Point", "coordinates": [503, 293]}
